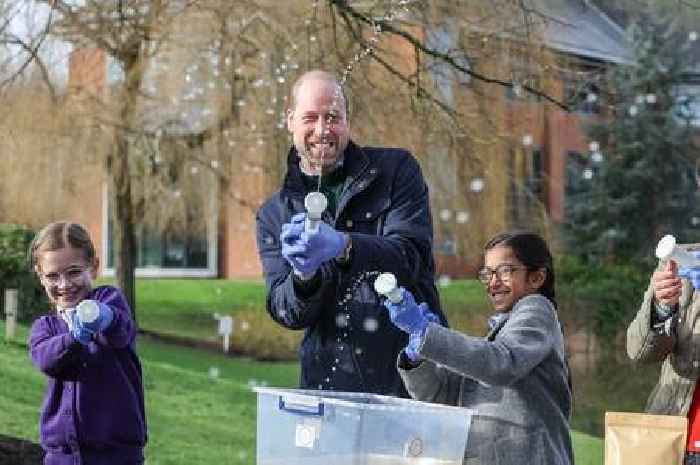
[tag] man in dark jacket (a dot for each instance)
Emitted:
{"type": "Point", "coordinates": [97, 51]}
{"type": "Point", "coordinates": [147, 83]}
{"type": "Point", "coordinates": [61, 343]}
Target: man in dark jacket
{"type": "Point", "coordinates": [377, 220]}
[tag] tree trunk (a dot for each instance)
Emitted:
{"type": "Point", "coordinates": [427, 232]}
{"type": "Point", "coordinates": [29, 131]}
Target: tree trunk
{"type": "Point", "coordinates": [123, 219]}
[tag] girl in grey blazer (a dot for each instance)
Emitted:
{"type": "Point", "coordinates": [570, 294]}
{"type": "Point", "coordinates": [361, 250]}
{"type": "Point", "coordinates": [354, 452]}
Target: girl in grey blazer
{"type": "Point", "coordinates": [516, 379]}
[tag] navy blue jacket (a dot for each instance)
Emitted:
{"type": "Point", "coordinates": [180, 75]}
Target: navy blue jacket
{"type": "Point", "coordinates": [349, 343]}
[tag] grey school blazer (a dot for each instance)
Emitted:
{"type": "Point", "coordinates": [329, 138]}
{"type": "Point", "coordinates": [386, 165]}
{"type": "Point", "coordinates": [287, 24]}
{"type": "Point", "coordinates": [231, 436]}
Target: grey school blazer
{"type": "Point", "coordinates": [515, 379]}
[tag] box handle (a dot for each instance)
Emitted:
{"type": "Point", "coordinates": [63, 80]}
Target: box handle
{"type": "Point", "coordinates": [302, 407]}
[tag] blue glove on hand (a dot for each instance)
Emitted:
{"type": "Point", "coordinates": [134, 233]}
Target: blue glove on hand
{"type": "Point", "coordinates": [692, 273]}
{"type": "Point", "coordinates": [416, 339]}
{"type": "Point", "coordinates": [101, 313]}
{"type": "Point", "coordinates": [78, 331]}
{"type": "Point", "coordinates": [290, 238]}
{"type": "Point", "coordinates": [306, 252]}
{"type": "Point", "coordinates": [409, 316]}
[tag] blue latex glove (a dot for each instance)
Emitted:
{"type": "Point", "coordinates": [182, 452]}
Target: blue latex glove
{"type": "Point", "coordinates": [290, 238]}
{"type": "Point", "coordinates": [307, 251]}
{"type": "Point", "coordinates": [416, 339]}
{"type": "Point", "coordinates": [692, 273]}
{"type": "Point", "coordinates": [407, 315]}
{"type": "Point", "coordinates": [103, 320]}
{"type": "Point", "coordinates": [78, 331]}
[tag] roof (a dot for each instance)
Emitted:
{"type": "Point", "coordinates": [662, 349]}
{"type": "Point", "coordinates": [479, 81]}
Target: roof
{"type": "Point", "coordinates": [579, 28]}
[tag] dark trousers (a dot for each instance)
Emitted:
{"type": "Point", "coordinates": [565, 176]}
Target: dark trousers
{"type": "Point", "coordinates": [692, 458]}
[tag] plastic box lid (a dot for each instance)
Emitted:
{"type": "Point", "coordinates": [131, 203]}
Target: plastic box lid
{"type": "Point", "coordinates": [308, 427]}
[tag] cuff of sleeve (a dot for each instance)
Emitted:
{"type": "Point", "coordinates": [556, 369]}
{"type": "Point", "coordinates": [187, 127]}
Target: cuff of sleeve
{"type": "Point", "coordinates": [662, 312]}
{"type": "Point", "coordinates": [406, 363]}
{"type": "Point", "coordinates": [306, 287]}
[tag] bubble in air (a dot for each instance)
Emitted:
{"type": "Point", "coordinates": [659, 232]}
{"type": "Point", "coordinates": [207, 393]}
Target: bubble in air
{"type": "Point", "coordinates": [476, 185]}
{"type": "Point", "coordinates": [445, 214]}
{"type": "Point", "coordinates": [462, 217]}
{"type": "Point", "coordinates": [213, 372]}
{"type": "Point", "coordinates": [527, 140]}
{"type": "Point", "coordinates": [444, 280]}
{"type": "Point", "coordinates": [633, 111]}
{"type": "Point", "coordinates": [692, 36]}
{"type": "Point", "coordinates": [591, 98]}
{"type": "Point", "coordinates": [341, 320]}
{"type": "Point", "coordinates": [245, 326]}
{"type": "Point", "coordinates": [370, 324]}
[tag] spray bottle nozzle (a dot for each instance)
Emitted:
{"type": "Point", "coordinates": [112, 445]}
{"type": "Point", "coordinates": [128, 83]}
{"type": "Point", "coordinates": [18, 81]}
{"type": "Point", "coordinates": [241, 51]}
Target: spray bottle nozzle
{"type": "Point", "coordinates": [315, 204]}
{"type": "Point", "coordinates": [667, 249]}
{"type": "Point", "coordinates": [386, 285]}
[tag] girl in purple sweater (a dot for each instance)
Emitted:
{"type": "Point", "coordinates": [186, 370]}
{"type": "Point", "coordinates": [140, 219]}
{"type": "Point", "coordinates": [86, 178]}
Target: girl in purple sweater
{"type": "Point", "coordinates": [93, 411]}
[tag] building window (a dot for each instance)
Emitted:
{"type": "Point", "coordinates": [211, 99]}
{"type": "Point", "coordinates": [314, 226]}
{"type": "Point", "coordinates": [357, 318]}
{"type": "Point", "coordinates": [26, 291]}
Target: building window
{"type": "Point", "coordinates": [448, 246]}
{"type": "Point", "coordinates": [441, 174]}
{"type": "Point", "coordinates": [579, 176]}
{"type": "Point", "coordinates": [182, 247]}
{"type": "Point", "coordinates": [443, 38]}
{"type": "Point", "coordinates": [526, 186]}
{"type": "Point", "coordinates": [688, 98]}
{"type": "Point", "coordinates": [582, 97]}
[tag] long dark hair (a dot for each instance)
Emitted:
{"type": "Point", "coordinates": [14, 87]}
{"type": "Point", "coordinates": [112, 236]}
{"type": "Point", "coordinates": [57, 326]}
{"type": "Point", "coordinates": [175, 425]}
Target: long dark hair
{"type": "Point", "coordinates": [532, 251]}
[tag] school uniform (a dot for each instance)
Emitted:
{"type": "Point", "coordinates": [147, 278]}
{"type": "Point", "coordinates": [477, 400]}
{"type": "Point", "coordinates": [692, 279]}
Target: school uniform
{"type": "Point", "coordinates": [93, 410]}
{"type": "Point", "coordinates": [515, 380]}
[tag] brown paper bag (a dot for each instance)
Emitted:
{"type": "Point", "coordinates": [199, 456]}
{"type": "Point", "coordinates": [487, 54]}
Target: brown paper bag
{"type": "Point", "coordinates": [643, 439]}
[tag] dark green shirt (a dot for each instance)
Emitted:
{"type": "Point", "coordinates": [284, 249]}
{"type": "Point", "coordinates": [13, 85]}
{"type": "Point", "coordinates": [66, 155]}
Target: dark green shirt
{"type": "Point", "coordinates": [332, 186]}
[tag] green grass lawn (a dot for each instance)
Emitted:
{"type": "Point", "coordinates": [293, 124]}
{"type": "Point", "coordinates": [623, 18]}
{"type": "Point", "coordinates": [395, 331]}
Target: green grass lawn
{"type": "Point", "coordinates": [192, 417]}
{"type": "Point", "coordinates": [186, 307]}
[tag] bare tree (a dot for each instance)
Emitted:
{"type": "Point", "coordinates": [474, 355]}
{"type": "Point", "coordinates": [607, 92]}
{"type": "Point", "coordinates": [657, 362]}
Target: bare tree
{"type": "Point", "coordinates": [236, 63]}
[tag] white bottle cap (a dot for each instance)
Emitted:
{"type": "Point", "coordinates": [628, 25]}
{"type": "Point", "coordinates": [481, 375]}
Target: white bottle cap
{"type": "Point", "coordinates": [386, 285]}
{"type": "Point", "coordinates": [88, 311]}
{"type": "Point", "coordinates": [315, 204]}
{"type": "Point", "coordinates": [665, 247]}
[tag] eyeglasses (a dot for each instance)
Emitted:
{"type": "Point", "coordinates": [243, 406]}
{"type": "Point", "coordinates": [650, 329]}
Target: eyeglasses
{"type": "Point", "coordinates": [503, 272]}
{"type": "Point", "coordinates": [71, 275]}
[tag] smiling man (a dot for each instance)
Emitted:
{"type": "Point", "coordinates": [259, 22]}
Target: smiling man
{"type": "Point", "coordinates": [377, 220]}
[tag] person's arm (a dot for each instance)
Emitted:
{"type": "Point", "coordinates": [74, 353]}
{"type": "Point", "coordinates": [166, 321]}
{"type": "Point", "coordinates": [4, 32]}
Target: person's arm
{"type": "Point", "coordinates": [407, 238]}
{"type": "Point", "coordinates": [56, 355]}
{"type": "Point", "coordinates": [651, 336]}
{"type": "Point", "coordinates": [525, 340]}
{"type": "Point", "coordinates": [429, 382]}
{"type": "Point", "coordinates": [121, 330]}
{"type": "Point", "coordinates": [293, 302]}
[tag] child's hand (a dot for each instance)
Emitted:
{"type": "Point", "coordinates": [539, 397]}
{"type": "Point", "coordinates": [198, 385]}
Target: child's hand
{"type": "Point", "coordinates": [94, 315]}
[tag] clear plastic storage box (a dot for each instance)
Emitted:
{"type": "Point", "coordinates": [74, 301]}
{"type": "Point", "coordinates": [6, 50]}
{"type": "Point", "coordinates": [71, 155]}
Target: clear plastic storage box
{"type": "Point", "coordinates": [301, 427]}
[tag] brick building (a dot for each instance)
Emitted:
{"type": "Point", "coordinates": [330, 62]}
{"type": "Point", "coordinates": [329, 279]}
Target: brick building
{"type": "Point", "coordinates": [526, 173]}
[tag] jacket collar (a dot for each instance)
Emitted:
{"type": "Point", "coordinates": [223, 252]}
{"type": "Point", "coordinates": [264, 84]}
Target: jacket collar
{"type": "Point", "coordinates": [355, 163]}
